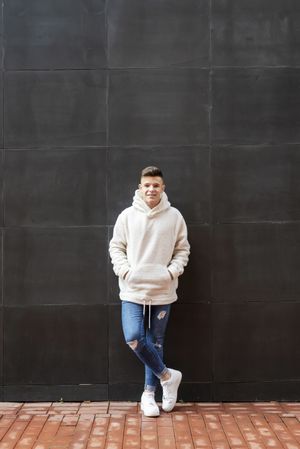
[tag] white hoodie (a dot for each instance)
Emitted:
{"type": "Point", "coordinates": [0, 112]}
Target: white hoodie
{"type": "Point", "coordinates": [149, 250]}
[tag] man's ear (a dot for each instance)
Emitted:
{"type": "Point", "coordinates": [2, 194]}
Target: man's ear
{"type": "Point", "coordinates": [139, 186]}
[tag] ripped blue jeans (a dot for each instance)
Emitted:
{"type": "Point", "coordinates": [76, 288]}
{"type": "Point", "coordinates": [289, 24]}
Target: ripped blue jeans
{"type": "Point", "coordinates": [147, 343]}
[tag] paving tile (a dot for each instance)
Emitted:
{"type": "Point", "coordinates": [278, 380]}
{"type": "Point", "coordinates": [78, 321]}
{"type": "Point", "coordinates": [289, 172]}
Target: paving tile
{"type": "Point", "coordinates": [208, 407]}
{"type": "Point", "coordinates": [164, 421]}
{"type": "Point", "coordinates": [220, 445]}
{"type": "Point", "coordinates": [166, 442]}
{"type": "Point", "coordinates": [14, 433]}
{"type": "Point", "coordinates": [182, 431]}
{"type": "Point", "coordinates": [272, 417]}
{"type": "Point", "coordinates": [6, 421]}
{"type": "Point", "coordinates": [255, 445]}
{"type": "Point", "coordinates": [132, 432]}
{"type": "Point", "coordinates": [190, 426]}
{"type": "Point", "coordinates": [232, 432]}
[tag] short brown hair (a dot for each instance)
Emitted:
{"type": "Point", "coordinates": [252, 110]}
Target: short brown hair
{"type": "Point", "coordinates": [152, 171]}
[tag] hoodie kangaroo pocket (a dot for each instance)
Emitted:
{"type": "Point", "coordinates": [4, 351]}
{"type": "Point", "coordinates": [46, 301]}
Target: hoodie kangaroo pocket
{"type": "Point", "coordinates": [149, 277]}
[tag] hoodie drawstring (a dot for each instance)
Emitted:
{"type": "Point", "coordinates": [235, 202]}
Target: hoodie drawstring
{"type": "Point", "coordinates": [144, 310]}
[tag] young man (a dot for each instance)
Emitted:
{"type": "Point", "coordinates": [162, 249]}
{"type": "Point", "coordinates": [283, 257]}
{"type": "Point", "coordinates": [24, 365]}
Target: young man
{"type": "Point", "coordinates": [149, 251]}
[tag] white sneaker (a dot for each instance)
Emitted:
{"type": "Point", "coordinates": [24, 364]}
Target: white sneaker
{"type": "Point", "coordinates": [170, 388]}
{"type": "Point", "coordinates": [148, 404]}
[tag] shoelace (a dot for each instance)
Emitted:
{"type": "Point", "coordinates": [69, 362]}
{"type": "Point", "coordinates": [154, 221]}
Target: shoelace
{"type": "Point", "coordinates": [168, 393]}
{"type": "Point", "coordinates": [150, 399]}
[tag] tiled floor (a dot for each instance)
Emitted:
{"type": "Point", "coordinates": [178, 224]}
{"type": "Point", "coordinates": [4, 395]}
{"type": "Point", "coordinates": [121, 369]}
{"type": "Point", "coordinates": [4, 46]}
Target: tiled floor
{"type": "Point", "coordinates": [117, 425]}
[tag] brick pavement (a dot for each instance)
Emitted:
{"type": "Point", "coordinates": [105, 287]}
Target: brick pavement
{"type": "Point", "coordinates": [120, 425]}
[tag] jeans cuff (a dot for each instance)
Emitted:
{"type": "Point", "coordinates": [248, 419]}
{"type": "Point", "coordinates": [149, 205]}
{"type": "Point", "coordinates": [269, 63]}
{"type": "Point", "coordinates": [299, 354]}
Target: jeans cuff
{"type": "Point", "coordinates": [151, 388]}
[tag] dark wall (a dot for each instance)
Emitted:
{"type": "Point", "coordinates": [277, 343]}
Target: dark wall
{"type": "Point", "coordinates": [93, 91]}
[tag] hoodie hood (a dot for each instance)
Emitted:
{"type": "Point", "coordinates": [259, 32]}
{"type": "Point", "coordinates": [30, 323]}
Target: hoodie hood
{"type": "Point", "coordinates": [140, 205]}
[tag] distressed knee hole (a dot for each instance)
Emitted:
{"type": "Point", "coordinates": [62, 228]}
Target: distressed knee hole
{"type": "Point", "coordinates": [133, 344]}
{"type": "Point", "coordinates": [158, 345]}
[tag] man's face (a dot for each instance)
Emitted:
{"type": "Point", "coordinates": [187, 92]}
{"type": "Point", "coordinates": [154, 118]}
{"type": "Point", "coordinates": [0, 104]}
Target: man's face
{"type": "Point", "coordinates": [151, 188]}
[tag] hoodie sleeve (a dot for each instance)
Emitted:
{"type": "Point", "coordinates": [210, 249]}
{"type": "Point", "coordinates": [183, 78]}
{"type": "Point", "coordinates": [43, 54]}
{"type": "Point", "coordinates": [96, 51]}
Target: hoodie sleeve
{"type": "Point", "coordinates": [181, 251]}
{"type": "Point", "coordinates": [118, 248]}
